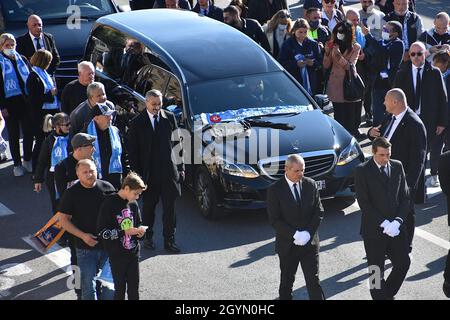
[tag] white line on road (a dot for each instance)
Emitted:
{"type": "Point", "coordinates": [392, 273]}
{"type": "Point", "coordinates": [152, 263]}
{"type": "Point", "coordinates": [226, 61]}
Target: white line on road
{"type": "Point", "coordinates": [56, 254]}
{"type": "Point", "coordinates": [5, 211]}
{"type": "Point", "coordinates": [432, 238]}
{"type": "Point", "coordinates": [422, 233]}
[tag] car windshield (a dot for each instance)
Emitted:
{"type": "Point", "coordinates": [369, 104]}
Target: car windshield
{"type": "Point", "coordinates": [19, 10]}
{"type": "Point", "coordinates": [252, 95]}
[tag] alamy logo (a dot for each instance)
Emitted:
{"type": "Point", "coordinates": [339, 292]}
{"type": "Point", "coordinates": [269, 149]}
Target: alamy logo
{"type": "Point", "coordinates": [73, 21]}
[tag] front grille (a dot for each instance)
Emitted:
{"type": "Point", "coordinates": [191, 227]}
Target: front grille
{"type": "Point", "coordinates": [316, 164]}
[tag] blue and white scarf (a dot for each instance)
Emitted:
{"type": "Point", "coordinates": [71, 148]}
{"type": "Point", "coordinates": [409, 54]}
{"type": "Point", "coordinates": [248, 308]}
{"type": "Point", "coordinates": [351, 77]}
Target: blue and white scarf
{"type": "Point", "coordinates": [10, 81]}
{"type": "Point", "coordinates": [115, 163]}
{"type": "Point", "coordinates": [59, 151]}
{"type": "Point", "coordinates": [305, 79]}
{"type": "Point", "coordinates": [48, 85]}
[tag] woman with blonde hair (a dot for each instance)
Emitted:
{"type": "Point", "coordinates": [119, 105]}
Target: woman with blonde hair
{"type": "Point", "coordinates": [277, 30]}
{"type": "Point", "coordinates": [54, 149]}
{"type": "Point", "coordinates": [41, 96]}
{"type": "Point", "coordinates": [14, 71]}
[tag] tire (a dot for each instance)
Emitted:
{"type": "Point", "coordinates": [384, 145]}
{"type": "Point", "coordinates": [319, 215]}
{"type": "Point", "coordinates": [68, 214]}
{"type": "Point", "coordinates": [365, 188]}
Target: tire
{"type": "Point", "coordinates": [206, 197]}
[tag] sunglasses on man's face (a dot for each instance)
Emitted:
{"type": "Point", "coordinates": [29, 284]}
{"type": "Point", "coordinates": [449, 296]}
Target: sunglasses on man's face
{"type": "Point", "coordinates": [413, 54]}
{"type": "Point", "coordinates": [329, 1]}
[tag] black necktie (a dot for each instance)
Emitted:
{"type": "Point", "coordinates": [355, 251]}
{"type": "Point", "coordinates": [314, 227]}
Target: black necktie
{"type": "Point", "coordinates": [297, 195]}
{"type": "Point", "coordinates": [384, 173]}
{"type": "Point", "coordinates": [389, 127]}
{"type": "Point", "coordinates": [155, 123]}
{"type": "Point", "coordinates": [38, 44]}
{"type": "Point", "coordinates": [418, 88]}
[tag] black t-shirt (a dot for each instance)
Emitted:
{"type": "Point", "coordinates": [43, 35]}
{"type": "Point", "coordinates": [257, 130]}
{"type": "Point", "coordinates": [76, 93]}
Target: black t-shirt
{"type": "Point", "coordinates": [83, 205]}
{"type": "Point", "coordinates": [117, 215]}
{"type": "Point", "coordinates": [73, 94]}
{"type": "Point", "coordinates": [65, 174]}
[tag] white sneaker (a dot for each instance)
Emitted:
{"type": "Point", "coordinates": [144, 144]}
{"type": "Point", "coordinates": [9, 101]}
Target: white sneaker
{"type": "Point", "coordinates": [27, 166]}
{"type": "Point", "coordinates": [434, 181]}
{"type": "Point", "coordinates": [19, 171]}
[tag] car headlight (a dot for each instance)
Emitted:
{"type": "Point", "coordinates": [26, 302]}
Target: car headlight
{"type": "Point", "coordinates": [350, 153]}
{"type": "Point", "coordinates": [239, 170]}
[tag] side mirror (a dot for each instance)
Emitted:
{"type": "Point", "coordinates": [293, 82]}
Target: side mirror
{"type": "Point", "coordinates": [324, 102]}
{"type": "Point", "coordinates": [123, 8]}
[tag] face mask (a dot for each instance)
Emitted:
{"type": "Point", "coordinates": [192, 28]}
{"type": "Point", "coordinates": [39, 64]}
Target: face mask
{"type": "Point", "coordinates": [282, 27]}
{"type": "Point", "coordinates": [9, 52]}
{"type": "Point", "coordinates": [314, 24]}
{"type": "Point", "coordinates": [340, 36]}
{"type": "Point", "coordinates": [385, 35]}
{"type": "Point", "coordinates": [369, 10]}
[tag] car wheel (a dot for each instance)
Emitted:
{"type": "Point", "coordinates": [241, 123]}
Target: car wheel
{"type": "Point", "coordinates": [205, 195]}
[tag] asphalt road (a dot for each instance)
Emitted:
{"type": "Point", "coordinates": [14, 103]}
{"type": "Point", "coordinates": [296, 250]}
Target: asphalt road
{"type": "Point", "coordinates": [232, 258]}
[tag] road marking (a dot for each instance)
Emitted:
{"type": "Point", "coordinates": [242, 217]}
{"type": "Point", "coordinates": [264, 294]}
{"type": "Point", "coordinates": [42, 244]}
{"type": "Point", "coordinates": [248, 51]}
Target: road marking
{"type": "Point", "coordinates": [423, 234]}
{"type": "Point", "coordinates": [5, 211]}
{"type": "Point", "coordinates": [56, 254]}
{"type": "Point", "coordinates": [432, 238]}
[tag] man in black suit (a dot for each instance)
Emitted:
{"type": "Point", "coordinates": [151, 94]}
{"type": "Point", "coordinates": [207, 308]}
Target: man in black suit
{"type": "Point", "coordinates": [427, 96]}
{"type": "Point", "coordinates": [36, 39]}
{"type": "Point", "coordinates": [444, 177]}
{"type": "Point", "coordinates": [383, 197]}
{"type": "Point", "coordinates": [406, 132]}
{"type": "Point", "coordinates": [207, 8]}
{"type": "Point", "coordinates": [249, 27]}
{"type": "Point", "coordinates": [150, 148]}
{"type": "Point", "coordinates": [295, 211]}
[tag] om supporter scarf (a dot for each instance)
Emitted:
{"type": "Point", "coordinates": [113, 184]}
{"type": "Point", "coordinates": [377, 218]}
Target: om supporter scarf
{"type": "Point", "coordinates": [48, 85]}
{"type": "Point", "coordinates": [10, 81]}
{"type": "Point", "coordinates": [115, 163]}
{"type": "Point", "coordinates": [59, 151]}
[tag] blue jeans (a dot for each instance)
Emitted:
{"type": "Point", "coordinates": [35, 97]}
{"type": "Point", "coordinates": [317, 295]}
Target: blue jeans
{"type": "Point", "coordinates": [90, 262]}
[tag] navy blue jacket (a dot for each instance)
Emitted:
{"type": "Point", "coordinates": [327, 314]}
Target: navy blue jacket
{"type": "Point", "coordinates": [291, 48]}
{"type": "Point", "coordinates": [382, 52]}
{"type": "Point", "coordinates": [213, 12]}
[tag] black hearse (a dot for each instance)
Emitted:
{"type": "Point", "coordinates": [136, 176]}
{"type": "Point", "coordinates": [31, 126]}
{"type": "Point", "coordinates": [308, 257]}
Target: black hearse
{"type": "Point", "coordinates": [221, 84]}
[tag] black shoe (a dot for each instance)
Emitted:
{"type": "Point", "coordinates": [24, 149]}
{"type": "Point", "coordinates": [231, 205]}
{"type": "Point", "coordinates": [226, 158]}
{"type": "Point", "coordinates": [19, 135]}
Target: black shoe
{"type": "Point", "coordinates": [171, 247]}
{"type": "Point", "coordinates": [148, 244]}
{"type": "Point", "coordinates": [446, 289]}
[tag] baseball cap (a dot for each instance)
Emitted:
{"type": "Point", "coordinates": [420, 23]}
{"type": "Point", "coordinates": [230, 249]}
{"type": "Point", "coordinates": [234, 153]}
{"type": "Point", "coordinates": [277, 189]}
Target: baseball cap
{"type": "Point", "coordinates": [102, 110]}
{"type": "Point", "coordinates": [82, 140]}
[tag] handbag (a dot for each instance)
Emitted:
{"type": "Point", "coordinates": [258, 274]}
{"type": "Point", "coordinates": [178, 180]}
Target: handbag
{"type": "Point", "coordinates": [353, 85]}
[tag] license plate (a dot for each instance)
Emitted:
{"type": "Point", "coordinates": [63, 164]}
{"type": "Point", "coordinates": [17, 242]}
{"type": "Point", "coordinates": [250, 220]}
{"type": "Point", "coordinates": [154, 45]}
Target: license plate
{"type": "Point", "coordinates": [320, 184]}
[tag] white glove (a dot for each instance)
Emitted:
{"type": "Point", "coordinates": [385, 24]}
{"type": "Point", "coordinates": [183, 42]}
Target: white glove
{"type": "Point", "coordinates": [297, 235]}
{"type": "Point", "coordinates": [303, 238]}
{"type": "Point", "coordinates": [385, 224]}
{"type": "Point", "coordinates": [393, 229]}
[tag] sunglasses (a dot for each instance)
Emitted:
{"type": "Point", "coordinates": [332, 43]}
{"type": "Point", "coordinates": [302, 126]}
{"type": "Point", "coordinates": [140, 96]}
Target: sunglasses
{"type": "Point", "coordinates": [285, 16]}
{"type": "Point", "coordinates": [413, 54]}
{"type": "Point", "coordinates": [329, 1]}
{"type": "Point", "coordinates": [65, 124]}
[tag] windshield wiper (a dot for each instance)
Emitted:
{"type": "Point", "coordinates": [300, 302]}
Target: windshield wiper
{"type": "Point", "coordinates": [268, 124]}
{"type": "Point", "coordinates": [272, 115]}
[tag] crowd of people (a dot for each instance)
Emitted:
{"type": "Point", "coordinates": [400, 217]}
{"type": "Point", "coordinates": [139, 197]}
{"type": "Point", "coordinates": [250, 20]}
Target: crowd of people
{"type": "Point", "coordinates": [95, 172]}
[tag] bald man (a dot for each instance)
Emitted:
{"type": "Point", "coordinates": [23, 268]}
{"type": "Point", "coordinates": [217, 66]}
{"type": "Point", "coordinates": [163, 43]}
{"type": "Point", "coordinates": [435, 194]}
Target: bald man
{"type": "Point", "coordinates": [36, 39]}
{"type": "Point", "coordinates": [427, 96]}
{"type": "Point", "coordinates": [438, 37]}
{"type": "Point", "coordinates": [406, 132]}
